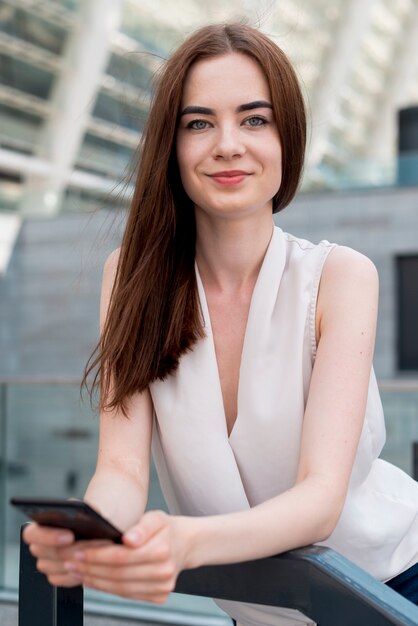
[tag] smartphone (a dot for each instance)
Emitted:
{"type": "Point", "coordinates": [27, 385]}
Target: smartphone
{"type": "Point", "coordinates": [76, 515]}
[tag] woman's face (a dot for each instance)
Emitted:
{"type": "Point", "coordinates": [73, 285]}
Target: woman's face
{"type": "Point", "coordinates": [228, 145]}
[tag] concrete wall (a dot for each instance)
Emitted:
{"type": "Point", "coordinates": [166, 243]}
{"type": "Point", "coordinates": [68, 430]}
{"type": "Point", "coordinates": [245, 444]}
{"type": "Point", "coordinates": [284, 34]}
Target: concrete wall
{"type": "Point", "coordinates": [49, 296]}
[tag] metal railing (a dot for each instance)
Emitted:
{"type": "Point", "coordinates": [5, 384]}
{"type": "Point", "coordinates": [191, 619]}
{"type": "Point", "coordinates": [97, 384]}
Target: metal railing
{"type": "Point", "coordinates": [317, 581]}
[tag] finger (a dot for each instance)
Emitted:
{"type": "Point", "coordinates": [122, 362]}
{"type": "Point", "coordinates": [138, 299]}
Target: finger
{"type": "Point", "coordinates": [57, 574]}
{"type": "Point", "coordinates": [154, 550]}
{"type": "Point", "coordinates": [62, 554]}
{"type": "Point", "coordinates": [152, 574]}
{"type": "Point", "coordinates": [41, 551]}
{"type": "Point", "coordinates": [65, 580]}
{"type": "Point", "coordinates": [67, 553]}
{"type": "Point", "coordinates": [47, 566]}
{"type": "Point", "coordinates": [140, 591]}
{"type": "Point", "coordinates": [34, 533]}
{"type": "Point", "coordinates": [92, 543]}
{"type": "Point", "coordinates": [150, 523]}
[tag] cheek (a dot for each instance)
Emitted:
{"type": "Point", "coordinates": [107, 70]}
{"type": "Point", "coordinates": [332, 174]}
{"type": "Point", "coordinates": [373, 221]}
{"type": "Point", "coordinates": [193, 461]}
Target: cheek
{"type": "Point", "coordinates": [273, 157]}
{"type": "Point", "coordinates": [186, 178]}
{"type": "Point", "coordinates": [274, 151]}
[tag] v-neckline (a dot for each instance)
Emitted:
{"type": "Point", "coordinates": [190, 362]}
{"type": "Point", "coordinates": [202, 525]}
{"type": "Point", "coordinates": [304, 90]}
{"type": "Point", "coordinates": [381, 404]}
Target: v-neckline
{"type": "Point", "coordinates": [208, 327]}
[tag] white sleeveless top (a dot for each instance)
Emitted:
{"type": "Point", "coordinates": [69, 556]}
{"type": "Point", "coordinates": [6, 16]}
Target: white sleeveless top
{"type": "Point", "coordinates": [202, 471]}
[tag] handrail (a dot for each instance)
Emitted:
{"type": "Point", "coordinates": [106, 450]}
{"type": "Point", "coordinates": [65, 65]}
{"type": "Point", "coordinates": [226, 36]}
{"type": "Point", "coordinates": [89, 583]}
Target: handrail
{"type": "Point", "coordinates": [315, 580]}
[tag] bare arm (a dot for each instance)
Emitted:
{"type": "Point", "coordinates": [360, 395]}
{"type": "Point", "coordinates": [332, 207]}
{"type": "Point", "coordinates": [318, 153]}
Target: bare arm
{"type": "Point", "coordinates": [119, 486]}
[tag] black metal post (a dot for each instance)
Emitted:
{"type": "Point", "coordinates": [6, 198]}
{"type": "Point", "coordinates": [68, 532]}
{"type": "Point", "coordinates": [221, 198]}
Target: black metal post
{"type": "Point", "coordinates": [41, 604]}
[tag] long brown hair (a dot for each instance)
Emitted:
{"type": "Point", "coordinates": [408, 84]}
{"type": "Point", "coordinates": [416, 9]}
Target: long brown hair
{"type": "Point", "coordinates": [154, 315]}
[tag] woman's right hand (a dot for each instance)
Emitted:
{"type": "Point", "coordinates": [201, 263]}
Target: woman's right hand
{"type": "Point", "coordinates": [52, 547]}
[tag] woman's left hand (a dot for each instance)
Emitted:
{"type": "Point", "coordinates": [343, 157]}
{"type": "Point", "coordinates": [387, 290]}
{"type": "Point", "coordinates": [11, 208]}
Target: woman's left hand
{"type": "Point", "coordinates": [145, 566]}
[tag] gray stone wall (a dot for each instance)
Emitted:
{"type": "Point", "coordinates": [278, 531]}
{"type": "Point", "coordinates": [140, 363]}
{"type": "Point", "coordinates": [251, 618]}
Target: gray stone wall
{"type": "Point", "coordinates": [49, 296]}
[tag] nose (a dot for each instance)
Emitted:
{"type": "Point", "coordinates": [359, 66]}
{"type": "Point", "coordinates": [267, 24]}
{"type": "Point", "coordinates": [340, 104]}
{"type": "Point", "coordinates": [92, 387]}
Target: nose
{"type": "Point", "coordinates": [228, 143]}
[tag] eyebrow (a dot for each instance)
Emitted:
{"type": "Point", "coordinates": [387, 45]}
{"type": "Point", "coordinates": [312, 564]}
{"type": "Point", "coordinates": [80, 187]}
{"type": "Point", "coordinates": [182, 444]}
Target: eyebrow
{"type": "Point", "coordinates": [249, 106]}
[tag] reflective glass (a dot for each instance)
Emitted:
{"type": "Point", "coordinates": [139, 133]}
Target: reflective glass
{"type": "Point", "coordinates": [25, 77]}
{"type": "Point", "coordinates": [131, 68]}
{"type": "Point", "coordinates": [119, 112]}
{"type": "Point", "coordinates": [70, 5]}
{"type": "Point", "coordinates": [401, 411]}
{"type": "Point", "coordinates": [29, 27]}
{"type": "Point", "coordinates": [103, 156]}
{"type": "Point", "coordinates": [19, 130]}
{"type": "Point", "coordinates": [49, 449]}
{"type": "Point", "coordinates": [155, 36]}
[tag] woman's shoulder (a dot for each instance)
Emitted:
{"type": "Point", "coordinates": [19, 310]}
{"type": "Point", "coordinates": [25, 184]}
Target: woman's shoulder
{"type": "Point", "coordinates": [301, 250]}
{"type": "Point", "coordinates": [110, 267]}
{"type": "Point", "coordinates": [349, 284]}
{"type": "Point", "coordinates": [108, 280]}
{"type": "Point", "coordinates": [348, 265]}
{"type": "Point", "coordinates": [338, 260]}
{"type": "Point", "coordinates": [112, 261]}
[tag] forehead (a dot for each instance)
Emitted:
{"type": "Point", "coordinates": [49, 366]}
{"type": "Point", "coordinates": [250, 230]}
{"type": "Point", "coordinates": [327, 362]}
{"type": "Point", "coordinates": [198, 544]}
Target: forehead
{"type": "Point", "coordinates": [231, 77]}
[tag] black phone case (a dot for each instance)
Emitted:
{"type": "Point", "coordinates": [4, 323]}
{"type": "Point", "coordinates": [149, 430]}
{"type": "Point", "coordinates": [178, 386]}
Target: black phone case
{"type": "Point", "coordinates": [75, 515]}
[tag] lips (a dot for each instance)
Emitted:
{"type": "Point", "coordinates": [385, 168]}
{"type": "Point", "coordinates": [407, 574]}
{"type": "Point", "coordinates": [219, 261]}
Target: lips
{"type": "Point", "coordinates": [229, 177]}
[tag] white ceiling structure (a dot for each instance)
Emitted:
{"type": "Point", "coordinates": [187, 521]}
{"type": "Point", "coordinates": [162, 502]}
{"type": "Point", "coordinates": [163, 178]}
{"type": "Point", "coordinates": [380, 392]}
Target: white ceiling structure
{"type": "Point", "coordinates": [75, 78]}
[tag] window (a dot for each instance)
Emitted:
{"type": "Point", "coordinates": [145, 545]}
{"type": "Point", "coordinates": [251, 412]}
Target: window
{"type": "Point", "coordinates": [407, 319]}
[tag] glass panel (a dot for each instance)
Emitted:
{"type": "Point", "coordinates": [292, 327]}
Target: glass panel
{"type": "Point", "coordinates": [50, 445]}
{"type": "Point", "coordinates": [50, 450]}
{"type": "Point", "coordinates": [407, 313]}
{"type": "Point", "coordinates": [70, 5]}
{"type": "Point", "coordinates": [118, 112]}
{"type": "Point", "coordinates": [31, 28]}
{"type": "Point", "coordinates": [129, 69]}
{"type": "Point", "coordinates": [153, 35]}
{"type": "Point", "coordinates": [338, 173]}
{"type": "Point", "coordinates": [401, 416]}
{"type": "Point", "coordinates": [10, 193]}
{"type": "Point", "coordinates": [100, 155]}
{"type": "Point", "coordinates": [25, 77]}
{"type": "Point", "coordinates": [18, 130]}
{"type": "Point", "coordinates": [81, 201]}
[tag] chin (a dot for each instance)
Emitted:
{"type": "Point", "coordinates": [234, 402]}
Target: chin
{"type": "Point", "coordinates": [233, 213]}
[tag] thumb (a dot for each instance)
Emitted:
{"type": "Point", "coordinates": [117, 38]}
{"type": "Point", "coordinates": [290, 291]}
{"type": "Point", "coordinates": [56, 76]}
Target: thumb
{"type": "Point", "coordinates": [149, 525]}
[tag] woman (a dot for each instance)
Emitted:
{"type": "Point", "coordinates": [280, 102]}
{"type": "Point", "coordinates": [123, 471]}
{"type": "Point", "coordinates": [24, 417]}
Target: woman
{"type": "Point", "coordinates": [252, 347]}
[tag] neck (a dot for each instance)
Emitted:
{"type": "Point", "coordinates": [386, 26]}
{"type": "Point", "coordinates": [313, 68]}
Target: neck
{"type": "Point", "coordinates": [229, 253]}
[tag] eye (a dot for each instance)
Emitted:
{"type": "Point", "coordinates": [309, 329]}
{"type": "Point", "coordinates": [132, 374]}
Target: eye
{"type": "Point", "coordinates": [255, 120]}
{"type": "Point", "coordinates": [198, 125]}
